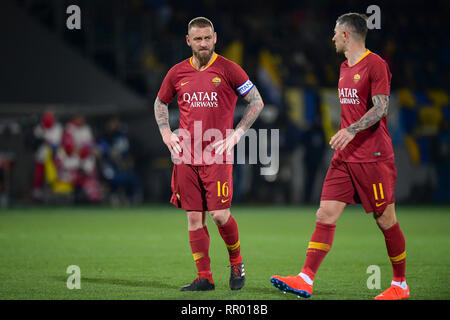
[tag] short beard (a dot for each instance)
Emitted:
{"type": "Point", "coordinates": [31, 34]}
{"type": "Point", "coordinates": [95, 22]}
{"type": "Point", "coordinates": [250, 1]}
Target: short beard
{"type": "Point", "coordinates": [341, 51]}
{"type": "Point", "coordinates": [203, 59]}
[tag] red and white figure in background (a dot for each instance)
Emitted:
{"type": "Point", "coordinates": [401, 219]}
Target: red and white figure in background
{"type": "Point", "coordinates": [77, 167]}
{"type": "Point", "coordinates": [67, 161]}
{"type": "Point", "coordinates": [78, 132]}
{"type": "Point", "coordinates": [49, 131]}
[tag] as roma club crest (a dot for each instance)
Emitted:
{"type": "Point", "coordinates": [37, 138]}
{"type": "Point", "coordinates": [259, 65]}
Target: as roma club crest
{"type": "Point", "coordinates": [356, 77]}
{"type": "Point", "coordinates": [216, 81]}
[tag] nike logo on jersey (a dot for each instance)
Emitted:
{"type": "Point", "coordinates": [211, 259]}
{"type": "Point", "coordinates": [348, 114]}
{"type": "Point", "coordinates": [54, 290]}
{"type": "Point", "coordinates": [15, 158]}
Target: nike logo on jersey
{"type": "Point", "coordinates": [184, 83]}
{"type": "Point", "coordinates": [224, 200]}
{"type": "Point", "coordinates": [341, 78]}
{"type": "Point", "coordinates": [380, 204]}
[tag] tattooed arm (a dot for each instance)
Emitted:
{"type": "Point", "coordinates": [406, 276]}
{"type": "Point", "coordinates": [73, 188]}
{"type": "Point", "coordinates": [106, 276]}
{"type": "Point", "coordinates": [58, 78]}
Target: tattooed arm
{"type": "Point", "coordinates": [251, 113]}
{"type": "Point", "coordinates": [162, 119]}
{"type": "Point", "coordinates": [375, 114]}
{"type": "Point", "coordinates": [162, 115]}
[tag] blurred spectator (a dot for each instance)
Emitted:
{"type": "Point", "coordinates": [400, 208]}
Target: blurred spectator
{"type": "Point", "coordinates": [61, 169]}
{"type": "Point", "coordinates": [48, 132]}
{"type": "Point", "coordinates": [86, 180]}
{"type": "Point", "coordinates": [65, 161]}
{"type": "Point", "coordinates": [117, 163]}
{"type": "Point", "coordinates": [81, 133]}
{"type": "Point", "coordinates": [73, 172]}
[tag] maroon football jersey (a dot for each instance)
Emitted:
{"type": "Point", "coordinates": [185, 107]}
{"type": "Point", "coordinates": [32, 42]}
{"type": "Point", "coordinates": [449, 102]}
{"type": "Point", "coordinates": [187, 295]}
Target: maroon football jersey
{"type": "Point", "coordinates": [357, 85]}
{"type": "Point", "coordinates": [206, 99]}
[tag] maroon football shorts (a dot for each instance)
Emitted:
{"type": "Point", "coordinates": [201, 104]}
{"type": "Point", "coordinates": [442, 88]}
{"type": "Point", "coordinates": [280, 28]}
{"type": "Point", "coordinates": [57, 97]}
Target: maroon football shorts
{"type": "Point", "coordinates": [370, 183]}
{"type": "Point", "coordinates": [202, 188]}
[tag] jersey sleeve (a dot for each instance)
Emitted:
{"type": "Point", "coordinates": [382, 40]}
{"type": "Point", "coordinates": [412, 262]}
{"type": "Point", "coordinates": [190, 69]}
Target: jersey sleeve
{"type": "Point", "coordinates": [167, 90]}
{"type": "Point", "coordinates": [239, 79]}
{"type": "Point", "coordinates": [380, 78]}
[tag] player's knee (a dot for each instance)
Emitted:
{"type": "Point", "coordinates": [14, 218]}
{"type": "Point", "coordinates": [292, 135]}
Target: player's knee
{"type": "Point", "coordinates": [195, 220]}
{"type": "Point", "coordinates": [385, 220]}
{"type": "Point", "coordinates": [326, 215]}
{"type": "Point", "coordinates": [220, 217]}
{"type": "Point", "coordinates": [384, 224]}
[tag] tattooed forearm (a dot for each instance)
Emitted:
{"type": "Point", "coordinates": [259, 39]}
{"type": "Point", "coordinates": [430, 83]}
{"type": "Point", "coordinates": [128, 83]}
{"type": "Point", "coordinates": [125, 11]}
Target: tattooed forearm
{"type": "Point", "coordinates": [375, 114]}
{"type": "Point", "coordinates": [252, 111]}
{"type": "Point", "coordinates": [161, 114]}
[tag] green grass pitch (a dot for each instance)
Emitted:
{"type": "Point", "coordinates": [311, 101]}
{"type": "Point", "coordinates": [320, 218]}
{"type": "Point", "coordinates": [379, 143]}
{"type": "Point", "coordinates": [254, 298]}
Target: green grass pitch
{"type": "Point", "coordinates": [143, 253]}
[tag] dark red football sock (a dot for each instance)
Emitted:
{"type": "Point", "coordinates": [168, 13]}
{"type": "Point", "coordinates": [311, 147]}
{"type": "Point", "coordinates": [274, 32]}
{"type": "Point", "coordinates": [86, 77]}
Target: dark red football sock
{"type": "Point", "coordinates": [395, 244]}
{"type": "Point", "coordinates": [320, 244]}
{"type": "Point", "coordinates": [230, 234]}
{"type": "Point", "coordinates": [199, 241]}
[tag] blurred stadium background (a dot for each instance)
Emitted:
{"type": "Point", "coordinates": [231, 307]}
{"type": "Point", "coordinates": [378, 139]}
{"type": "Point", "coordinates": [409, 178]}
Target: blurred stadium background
{"type": "Point", "coordinates": [113, 66]}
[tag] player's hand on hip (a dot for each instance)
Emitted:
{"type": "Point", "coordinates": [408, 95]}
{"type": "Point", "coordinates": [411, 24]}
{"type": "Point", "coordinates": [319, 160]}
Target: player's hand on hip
{"type": "Point", "coordinates": [341, 139]}
{"type": "Point", "coordinates": [172, 141]}
{"type": "Point", "coordinates": [229, 142]}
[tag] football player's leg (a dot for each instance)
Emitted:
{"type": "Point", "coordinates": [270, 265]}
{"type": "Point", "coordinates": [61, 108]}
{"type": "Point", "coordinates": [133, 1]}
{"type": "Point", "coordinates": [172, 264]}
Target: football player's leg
{"type": "Point", "coordinates": [318, 247]}
{"type": "Point", "coordinates": [375, 183]}
{"type": "Point", "coordinates": [229, 232]}
{"type": "Point", "coordinates": [337, 191]}
{"type": "Point", "coordinates": [395, 241]}
{"type": "Point", "coordinates": [322, 237]}
{"type": "Point", "coordinates": [218, 184]}
{"type": "Point", "coordinates": [386, 219]}
{"type": "Point", "coordinates": [196, 220]}
{"type": "Point", "coordinates": [187, 195]}
{"type": "Point", "coordinates": [217, 180]}
{"type": "Point", "coordinates": [395, 245]}
{"type": "Point", "coordinates": [199, 241]}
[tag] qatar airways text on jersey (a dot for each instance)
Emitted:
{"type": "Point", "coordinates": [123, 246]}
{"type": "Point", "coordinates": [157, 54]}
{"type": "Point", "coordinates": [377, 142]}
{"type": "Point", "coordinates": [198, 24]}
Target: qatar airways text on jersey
{"type": "Point", "coordinates": [201, 99]}
{"type": "Point", "coordinates": [348, 96]}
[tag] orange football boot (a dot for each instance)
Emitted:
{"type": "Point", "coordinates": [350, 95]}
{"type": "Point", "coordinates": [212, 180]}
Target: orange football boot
{"type": "Point", "coordinates": [394, 293]}
{"type": "Point", "coordinates": [292, 284]}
